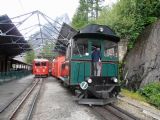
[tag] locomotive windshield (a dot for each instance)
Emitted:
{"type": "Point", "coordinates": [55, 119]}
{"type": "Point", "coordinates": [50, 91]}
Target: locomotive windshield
{"type": "Point", "coordinates": [37, 63]}
{"type": "Point", "coordinates": [95, 44]}
{"type": "Point", "coordinates": [110, 49]}
{"type": "Point", "coordinates": [80, 47]}
{"type": "Point", "coordinates": [43, 63]}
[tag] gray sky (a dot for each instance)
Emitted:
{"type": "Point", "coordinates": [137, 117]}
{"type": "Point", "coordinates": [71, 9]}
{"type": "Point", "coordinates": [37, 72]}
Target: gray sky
{"type": "Point", "coordinates": [52, 8]}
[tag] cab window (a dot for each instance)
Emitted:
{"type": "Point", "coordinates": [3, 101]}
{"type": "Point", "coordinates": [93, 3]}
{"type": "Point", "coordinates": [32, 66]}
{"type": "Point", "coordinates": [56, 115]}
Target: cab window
{"type": "Point", "coordinates": [43, 63]}
{"type": "Point", "coordinates": [80, 47]}
{"type": "Point", "coordinates": [110, 49]}
{"type": "Point", "coordinates": [37, 63]}
{"type": "Point", "coordinates": [95, 44]}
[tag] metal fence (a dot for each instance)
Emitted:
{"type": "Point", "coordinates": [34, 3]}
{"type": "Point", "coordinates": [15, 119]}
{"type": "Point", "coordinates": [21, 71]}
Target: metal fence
{"type": "Point", "coordinates": [11, 75]}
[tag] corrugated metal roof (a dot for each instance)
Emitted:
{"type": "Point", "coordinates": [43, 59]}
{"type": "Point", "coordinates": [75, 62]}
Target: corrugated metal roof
{"type": "Point", "coordinates": [12, 42]}
{"type": "Point", "coordinates": [66, 33]}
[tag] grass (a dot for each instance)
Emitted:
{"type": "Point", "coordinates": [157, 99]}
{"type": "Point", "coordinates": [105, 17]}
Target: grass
{"type": "Point", "coordinates": [133, 95]}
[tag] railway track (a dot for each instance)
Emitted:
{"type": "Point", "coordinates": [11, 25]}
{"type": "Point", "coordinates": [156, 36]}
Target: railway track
{"type": "Point", "coordinates": [112, 112]}
{"type": "Point", "coordinates": [26, 106]}
{"type": "Point", "coordinates": [15, 98]}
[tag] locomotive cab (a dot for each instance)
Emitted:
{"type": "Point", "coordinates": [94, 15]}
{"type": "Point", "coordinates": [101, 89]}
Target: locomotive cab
{"type": "Point", "coordinates": [40, 67]}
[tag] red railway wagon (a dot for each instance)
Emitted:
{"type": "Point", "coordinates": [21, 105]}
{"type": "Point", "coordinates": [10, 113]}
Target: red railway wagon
{"type": "Point", "coordinates": [40, 67]}
{"type": "Point", "coordinates": [65, 69]}
{"type": "Point", "coordinates": [57, 66]}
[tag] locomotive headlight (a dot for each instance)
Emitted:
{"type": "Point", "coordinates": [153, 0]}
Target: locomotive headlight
{"type": "Point", "coordinates": [89, 80]}
{"type": "Point", "coordinates": [115, 79]}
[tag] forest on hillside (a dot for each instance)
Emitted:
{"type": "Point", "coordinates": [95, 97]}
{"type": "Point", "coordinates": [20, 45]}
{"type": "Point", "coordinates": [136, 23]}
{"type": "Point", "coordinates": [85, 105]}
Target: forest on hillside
{"type": "Point", "coordinates": [126, 17]}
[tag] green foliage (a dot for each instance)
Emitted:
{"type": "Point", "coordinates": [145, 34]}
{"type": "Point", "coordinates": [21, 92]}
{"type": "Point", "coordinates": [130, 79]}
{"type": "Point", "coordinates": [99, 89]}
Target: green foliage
{"type": "Point", "coordinates": [120, 71]}
{"type": "Point", "coordinates": [47, 51]}
{"type": "Point", "coordinates": [129, 17]}
{"type": "Point", "coordinates": [133, 95]}
{"type": "Point", "coordinates": [152, 93]}
{"type": "Point", "coordinates": [80, 18]}
{"type": "Point", "coordinates": [30, 55]}
{"type": "Point", "coordinates": [86, 13]}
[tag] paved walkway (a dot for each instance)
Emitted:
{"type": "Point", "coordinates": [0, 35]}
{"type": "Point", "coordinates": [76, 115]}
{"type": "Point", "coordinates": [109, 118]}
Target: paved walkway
{"type": "Point", "coordinates": [57, 103]}
{"type": "Point", "coordinates": [10, 90]}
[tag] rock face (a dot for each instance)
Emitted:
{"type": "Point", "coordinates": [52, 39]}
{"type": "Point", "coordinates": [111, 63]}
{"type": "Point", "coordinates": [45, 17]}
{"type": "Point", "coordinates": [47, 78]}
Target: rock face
{"type": "Point", "coordinates": [122, 48]}
{"type": "Point", "coordinates": [142, 63]}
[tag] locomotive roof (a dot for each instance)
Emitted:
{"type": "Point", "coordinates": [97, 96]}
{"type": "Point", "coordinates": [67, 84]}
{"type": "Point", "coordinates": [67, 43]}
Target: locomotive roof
{"type": "Point", "coordinates": [97, 31]}
{"type": "Point", "coordinates": [41, 59]}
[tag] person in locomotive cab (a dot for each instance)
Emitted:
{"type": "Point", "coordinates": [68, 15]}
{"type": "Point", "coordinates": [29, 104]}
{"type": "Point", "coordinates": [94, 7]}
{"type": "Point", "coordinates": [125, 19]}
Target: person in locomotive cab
{"type": "Point", "coordinates": [96, 62]}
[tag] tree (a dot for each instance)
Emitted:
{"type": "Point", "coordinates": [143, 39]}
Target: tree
{"type": "Point", "coordinates": [47, 51]}
{"type": "Point", "coordinates": [80, 18]}
{"type": "Point", "coordinates": [95, 6]}
{"type": "Point", "coordinates": [29, 57]}
{"type": "Point", "coordinates": [87, 11]}
{"type": "Point", "coordinates": [129, 17]}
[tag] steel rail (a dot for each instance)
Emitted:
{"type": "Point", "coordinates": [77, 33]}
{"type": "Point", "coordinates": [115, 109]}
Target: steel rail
{"type": "Point", "coordinates": [9, 103]}
{"type": "Point", "coordinates": [22, 101]}
{"type": "Point", "coordinates": [122, 113]}
{"type": "Point", "coordinates": [109, 112]}
{"type": "Point", "coordinates": [34, 103]}
{"type": "Point", "coordinates": [103, 113]}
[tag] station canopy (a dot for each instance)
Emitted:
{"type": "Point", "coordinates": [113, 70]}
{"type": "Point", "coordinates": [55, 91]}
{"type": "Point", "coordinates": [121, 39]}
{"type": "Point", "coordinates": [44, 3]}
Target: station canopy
{"type": "Point", "coordinates": [65, 34]}
{"type": "Point", "coordinates": [12, 42]}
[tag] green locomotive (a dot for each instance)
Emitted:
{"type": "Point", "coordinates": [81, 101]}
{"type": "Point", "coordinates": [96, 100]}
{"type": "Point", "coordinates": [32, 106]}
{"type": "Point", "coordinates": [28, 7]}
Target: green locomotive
{"type": "Point", "coordinates": [98, 85]}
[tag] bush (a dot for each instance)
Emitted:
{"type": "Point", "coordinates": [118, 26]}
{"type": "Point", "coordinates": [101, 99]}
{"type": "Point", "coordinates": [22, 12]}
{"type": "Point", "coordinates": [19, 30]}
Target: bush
{"type": "Point", "coordinates": [155, 100]}
{"type": "Point", "coordinates": [133, 95]}
{"type": "Point", "coordinates": [152, 93]}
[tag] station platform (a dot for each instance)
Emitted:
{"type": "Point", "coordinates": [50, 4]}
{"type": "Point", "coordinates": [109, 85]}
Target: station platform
{"type": "Point", "coordinates": [10, 90]}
